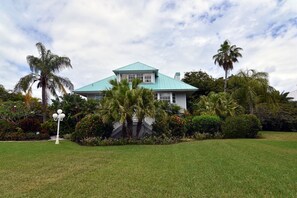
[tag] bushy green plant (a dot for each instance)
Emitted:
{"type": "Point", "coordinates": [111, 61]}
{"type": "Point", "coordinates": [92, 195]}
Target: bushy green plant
{"type": "Point", "coordinates": [67, 136]}
{"type": "Point", "coordinates": [49, 127]}
{"type": "Point", "coordinates": [21, 136]}
{"type": "Point", "coordinates": [30, 125]}
{"type": "Point", "coordinates": [91, 126]}
{"type": "Point", "coordinates": [161, 124]}
{"type": "Point", "coordinates": [206, 124]}
{"type": "Point", "coordinates": [243, 126]}
{"type": "Point", "coordinates": [148, 140]}
{"type": "Point", "coordinates": [6, 126]}
{"type": "Point", "coordinates": [177, 126]}
{"type": "Point", "coordinates": [204, 136]}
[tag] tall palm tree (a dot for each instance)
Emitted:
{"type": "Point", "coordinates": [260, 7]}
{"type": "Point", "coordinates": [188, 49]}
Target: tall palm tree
{"type": "Point", "coordinates": [43, 71]}
{"type": "Point", "coordinates": [226, 56]}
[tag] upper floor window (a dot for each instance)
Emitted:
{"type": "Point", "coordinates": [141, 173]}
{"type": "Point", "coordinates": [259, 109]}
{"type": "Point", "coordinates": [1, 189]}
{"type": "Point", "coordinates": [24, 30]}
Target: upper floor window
{"type": "Point", "coordinates": [131, 77]}
{"type": "Point", "coordinates": [140, 77]}
{"type": "Point", "coordinates": [147, 78]}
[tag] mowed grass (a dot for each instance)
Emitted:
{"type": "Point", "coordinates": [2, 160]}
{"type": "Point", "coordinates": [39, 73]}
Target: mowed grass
{"type": "Point", "coordinates": [264, 167]}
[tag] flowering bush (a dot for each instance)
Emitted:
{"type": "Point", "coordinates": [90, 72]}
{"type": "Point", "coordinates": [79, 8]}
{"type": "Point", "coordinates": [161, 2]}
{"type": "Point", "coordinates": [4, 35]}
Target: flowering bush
{"type": "Point", "coordinates": [177, 126]}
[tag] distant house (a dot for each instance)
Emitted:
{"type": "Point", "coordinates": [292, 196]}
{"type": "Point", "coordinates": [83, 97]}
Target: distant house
{"type": "Point", "coordinates": [168, 89]}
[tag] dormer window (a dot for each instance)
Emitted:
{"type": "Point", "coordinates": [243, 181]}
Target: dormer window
{"type": "Point", "coordinates": [147, 78]}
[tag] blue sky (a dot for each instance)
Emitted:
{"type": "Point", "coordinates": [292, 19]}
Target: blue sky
{"type": "Point", "coordinates": [172, 35]}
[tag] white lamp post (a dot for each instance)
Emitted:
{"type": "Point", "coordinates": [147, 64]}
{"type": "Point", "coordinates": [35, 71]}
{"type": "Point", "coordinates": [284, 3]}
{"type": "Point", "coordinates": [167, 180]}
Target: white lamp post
{"type": "Point", "coordinates": [58, 117]}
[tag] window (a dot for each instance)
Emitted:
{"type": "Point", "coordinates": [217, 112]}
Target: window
{"type": "Point", "coordinates": [131, 77]}
{"type": "Point", "coordinates": [140, 77]}
{"type": "Point", "coordinates": [147, 78]}
{"type": "Point", "coordinates": [173, 97]}
{"type": "Point", "coordinates": [124, 76]}
{"type": "Point", "coordinates": [165, 97]}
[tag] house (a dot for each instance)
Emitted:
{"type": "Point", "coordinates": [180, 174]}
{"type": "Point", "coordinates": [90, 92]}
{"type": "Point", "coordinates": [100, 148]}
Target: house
{"type": "Point", "coordinates": [172, 90]}
{"type": "Point", "coordinates": [168, 89]}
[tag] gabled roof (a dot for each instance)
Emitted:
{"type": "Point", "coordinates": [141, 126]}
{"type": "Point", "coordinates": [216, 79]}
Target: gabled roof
{"type": "Point", "coordinates": [162, 83]}
{"type": "Point", "coordinates": [135, 67]}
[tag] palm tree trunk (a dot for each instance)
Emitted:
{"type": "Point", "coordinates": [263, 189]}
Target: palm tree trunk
{"type": "Point", "coordinates": [139, 125]}
{"type": "Point", "coordinates": [124, 130]}
{"type": "Point", "coordinates": [129, 127]}
{"type": "Point", "coordinates": [44, 103]}
{"type": "Point", "coordinates": [225, 84]}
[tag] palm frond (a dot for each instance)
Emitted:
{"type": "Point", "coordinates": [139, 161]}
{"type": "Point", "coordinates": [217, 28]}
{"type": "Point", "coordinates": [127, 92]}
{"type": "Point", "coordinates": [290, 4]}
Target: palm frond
{"type": "Point", "coordinates": [25, 83]}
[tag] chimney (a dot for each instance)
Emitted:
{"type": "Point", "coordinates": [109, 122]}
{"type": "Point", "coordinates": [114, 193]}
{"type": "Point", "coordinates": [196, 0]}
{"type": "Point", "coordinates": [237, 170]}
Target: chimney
{"type": "Point", "coordinates": [177, 76]}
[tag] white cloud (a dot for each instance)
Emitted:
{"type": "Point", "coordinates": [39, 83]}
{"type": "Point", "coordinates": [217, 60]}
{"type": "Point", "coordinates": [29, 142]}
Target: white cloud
{"type": "Point", "coordinates": [100, 36]}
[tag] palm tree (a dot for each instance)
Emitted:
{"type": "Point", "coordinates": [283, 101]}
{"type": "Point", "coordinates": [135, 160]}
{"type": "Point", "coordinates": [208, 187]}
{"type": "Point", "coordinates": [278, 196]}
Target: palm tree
{"type": "Point", "coordinates": [145, 106]}
{"type": "Point", "coordinates": [252, 88]}
{"type": "Point", "coordinates": [226, 56]}
{"type": "Point", "coordinates": [220, 104]}
{"type": "Point", "coordinates": [119, 105]}
{"type": "Point", "coordinates": [43, 71]}
{"type": "Point", "coordinates": [124, 101]}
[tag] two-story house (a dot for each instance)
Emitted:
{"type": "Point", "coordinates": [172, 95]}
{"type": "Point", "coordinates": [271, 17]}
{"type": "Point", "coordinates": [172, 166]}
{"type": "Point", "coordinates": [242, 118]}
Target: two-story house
{"type": "Point", "coordinates": [172, 90]}
{"type": "Point", "coordinates": [168, 89]}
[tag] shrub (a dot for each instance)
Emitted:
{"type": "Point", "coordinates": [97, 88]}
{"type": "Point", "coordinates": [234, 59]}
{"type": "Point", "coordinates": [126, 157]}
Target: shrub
{"type": "Point", "coordinates": [67, 136]}
{"type": "Point", "coordinates": [91, 126]}
{"type": "Point", "coordinates": [30, 125]}
{"type": "Point", "coordinates": [243, 126]}
{"type": "Point", "coordinates": [148, 140]}
{"type": "Point", "coordinates": [177, 126]}
{"type": "Point", "coordinates": [6, 126]}
{"type": "Point", "coordinates": [161, 124]}
{"type": "Point", "coordinates": [20, 136]}
{"type": "Point", "coordinates": [206, 124]}
{"type": "Point", "coordinates": [204, 136]}
{"type": "Point", "coordinates": [49, 127]}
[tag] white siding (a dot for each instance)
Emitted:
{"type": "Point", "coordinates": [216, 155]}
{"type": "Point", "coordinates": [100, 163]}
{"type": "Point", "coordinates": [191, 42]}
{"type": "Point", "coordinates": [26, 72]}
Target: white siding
{"type": "Point", "coordinates": [181, 100]}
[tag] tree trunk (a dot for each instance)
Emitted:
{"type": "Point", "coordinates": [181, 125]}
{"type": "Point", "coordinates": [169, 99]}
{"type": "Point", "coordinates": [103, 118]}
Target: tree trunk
{"type": "Point", "coordinates": [129, 127]}
{"type": "Point", "coordinates": [44, 102]}
{"type": "Point", "coordinates": [124, 130]}
{"type": "Point", "coordinates": [225, 84]}
{"type": "Point", "coordinates": [139, 125]}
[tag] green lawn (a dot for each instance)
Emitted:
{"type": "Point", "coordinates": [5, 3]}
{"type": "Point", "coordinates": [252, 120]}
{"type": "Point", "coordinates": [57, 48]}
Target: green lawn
{"type": "Point", "coordinates": [264, 167]}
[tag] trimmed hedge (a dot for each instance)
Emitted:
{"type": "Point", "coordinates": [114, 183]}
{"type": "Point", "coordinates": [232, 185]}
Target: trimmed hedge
{"type": "Point", "coordinates": [20, 136]}
{"type": "Point", "coordinates": [91, 126]}
{"type": "Point", "coordinates": [243, 126]}
{"type": "Point", "coordinates": [206, 124]}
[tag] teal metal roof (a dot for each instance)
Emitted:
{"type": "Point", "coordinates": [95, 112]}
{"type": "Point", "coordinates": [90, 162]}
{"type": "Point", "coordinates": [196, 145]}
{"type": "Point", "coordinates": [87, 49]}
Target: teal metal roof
{"type": "Point", "coordinates": [162, 83]}
{"type": "Point", "coordinates": [166, 83]}
{"type": "Point", "coordinates": [96, 86]}
{"type": "Point", "coordinates": [135, 67]}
